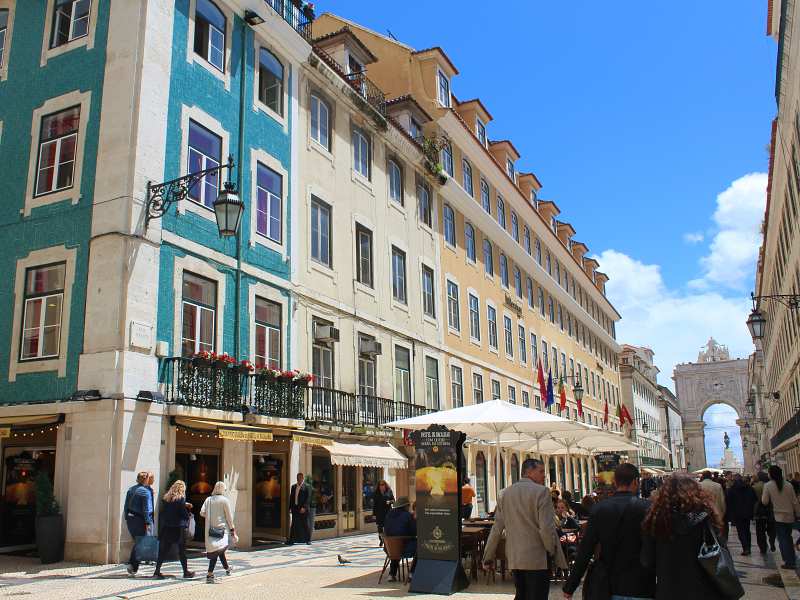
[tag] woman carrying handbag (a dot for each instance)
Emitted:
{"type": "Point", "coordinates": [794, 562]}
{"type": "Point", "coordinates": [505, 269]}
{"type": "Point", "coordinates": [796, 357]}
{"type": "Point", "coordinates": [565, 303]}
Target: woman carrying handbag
{"type": "Point", "coordinates": [174, 521]}
{"type": "Point", "coordinates": [220, 531]}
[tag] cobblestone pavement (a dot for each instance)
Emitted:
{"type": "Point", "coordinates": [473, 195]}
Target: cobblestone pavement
{"type": "Point", "coordinates": [297, 572]}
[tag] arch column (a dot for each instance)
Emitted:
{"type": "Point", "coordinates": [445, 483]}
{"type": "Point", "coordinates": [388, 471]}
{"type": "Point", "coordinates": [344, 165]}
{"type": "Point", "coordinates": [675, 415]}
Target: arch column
{"type": "Point", "coordinates": [694, 432]}
{"type": "Point", "coordinates": [559, 483]}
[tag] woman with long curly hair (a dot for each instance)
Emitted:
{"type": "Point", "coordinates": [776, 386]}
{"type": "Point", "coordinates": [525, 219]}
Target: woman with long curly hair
{"type": "Point", "coordinates": [674, 529]}
{"type": "Point", "coordinates": [174, 521]}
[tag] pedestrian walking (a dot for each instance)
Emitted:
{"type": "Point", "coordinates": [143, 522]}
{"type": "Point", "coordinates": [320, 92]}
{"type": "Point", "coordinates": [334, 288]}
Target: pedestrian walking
{"type": "Point", "coordinates": [615, 525]}
{"type": "Point", "coordinates": [524, 513]}
{"type": "Point", "coordinates": [765, 520]}
{"type": "Point", "coordinates": [674, 530]}
{"type": "Point", "coordinates": [740, 501]}
{"type": "Point", "coordinates": [220, 530]}
{"type": "Point", "coordinates": [781, 496]}
{"type": "Point", "coordinates": [467, 496]}
{"type": "Point", "coordinates": [174, 520]}
{"type": "Point", "coordinates": [401, 523]}
{"type": "Point", "coordinates": [715, 489]}
{"type": "Point", "coordinates": [299, 499]}
{"type": "Point", "coordinates": [382, 499]}
{"type": "Point", "coordinates": [138, 512]}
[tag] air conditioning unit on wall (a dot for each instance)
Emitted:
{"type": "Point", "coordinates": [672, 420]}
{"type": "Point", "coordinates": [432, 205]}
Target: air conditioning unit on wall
{"type": "Point", "coordinates": [326, 333]}
{"type": "Point", "coordinates": [369, 347]}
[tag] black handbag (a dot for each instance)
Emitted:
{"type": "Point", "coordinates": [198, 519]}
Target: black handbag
{"type": "Point", "coordinates": [216, 532]}
{"type": "Point", "coordinates": [717, 562]}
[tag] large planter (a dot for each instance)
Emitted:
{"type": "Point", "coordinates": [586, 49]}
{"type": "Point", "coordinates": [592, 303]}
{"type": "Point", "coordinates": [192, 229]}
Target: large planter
{"type": "Point", "coordinates": [50, 538]}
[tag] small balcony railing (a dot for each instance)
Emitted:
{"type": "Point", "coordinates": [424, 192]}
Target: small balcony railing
{"type": "Point", "coordinates": [299, 16]}
{"type": "Point", "coordinates": [360, 83]}
{"type": "Point", "coordinates": [343, 408]}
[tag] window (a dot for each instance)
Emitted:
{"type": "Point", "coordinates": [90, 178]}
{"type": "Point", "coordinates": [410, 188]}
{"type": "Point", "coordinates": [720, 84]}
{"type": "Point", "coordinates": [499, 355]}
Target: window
{"type": "Point", "coordinates": [526, 399]}
{"type": "Point", "coordinates": [70, 21]}
{"type": "Point", "coordinates": [270, 81]}
{"type": "Point", "coordinates": [43, 301]}
{"type": "Point", "coordinates": [57, 143]}
{"type": "Point", "coordinates": [428, 295]}
{"type": "Point", "coordinates": [424, 199]}
{"type": "Point", "coordinates": [514, 226]}
{"type": "Point", "coordinates": [477, 388]}
{"type": "Point", "coordinates": [205, 152]}
{"type": "Point", "coordinates": [548, 263]}
{"type": "Point", "coordinates": [551, 310]}
{"type": "Point", "coordinates": [510, 169]}
{"type": "Point", "coordinates": [467, 174]}
{"type": "Point", "coordinates": [538, 251]}
{"type": "Point", "coordinates": [529, 292]}
{"type": "Point", "coordinates": [523, 347]}
{"type": "Point", "coordinates": [545, 360]}
{"type": "Point", "coordinates": [449, 225]}
{"type": "Point", "coordinates": [447, 158]}
{"type": "Point", "coordinates": [469, 242]}
{"type": "Point", "coordinates": [366, 370]}
{"type": "Point", "coordinates": [3, 30]}
{"type": "Point", "coordinates": [361, 153]}
{"type": "Point", "coordinates": [534, 350]}
{"type": "Point", "coordinates": [399, 275]}
{"type": "Point", "coordinates": [320, 232]}
{"type": "Point", "coordinates": [402, 374]}
{"type": "Point", "coordinates": [518, 281]}
{"type": "Point", "coordinates": [480, 131]}
{"type": "Point", "coordinates": [488, 259]}
{"type": "Point", "coordinates": [414, 128]}
{"type": "Point", "coordinates": [527, 240]}
{"type": "Point", "coordinates": [395, 183]}
{"type": "Point", "coordinates": [269, 205]}
{"type": "Point", "coordinates": [503, 270]}
{"type": "Point", "coordinates": [501, 212]}
{"type": "Point", "coordinates": [474, 317]}
{"type": "Point", "coordinates": [431, 383]}
{"type": "Point", "coordinates": [485, 199]}
{"type": "Point", "coordinates": [509, 335]}
{"type": "Point", "coordinates": [320, 122]}
{"type": "Point", "coordinates": [495, 390]}
{"type": "Point", "coordinates": [209, 34]}
{"type": "Point", "coordinates": [456, 386]}
{"type": "Point", "coordinates": [453, 315]}
{"type": "Point", "coordinates": [199, 314]}
{"type": "Point", "coordinates": [364, 255]}
{"type": "Point", "coordinates": [512, 394]}
{"type": "Point", "coordinates": [491, 316]}
{"type": "Point", "coordinates": [541, 300]}
{"type": "Point", "coordinates": [444, 90]}
{"type": "Point", "coordinates": [268, 333]}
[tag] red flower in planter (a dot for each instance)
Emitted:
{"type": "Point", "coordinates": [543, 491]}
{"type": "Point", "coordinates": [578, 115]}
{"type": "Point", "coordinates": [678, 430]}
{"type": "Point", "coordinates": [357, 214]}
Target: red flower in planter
{"type": "Point", "coordinates": [246, 364]}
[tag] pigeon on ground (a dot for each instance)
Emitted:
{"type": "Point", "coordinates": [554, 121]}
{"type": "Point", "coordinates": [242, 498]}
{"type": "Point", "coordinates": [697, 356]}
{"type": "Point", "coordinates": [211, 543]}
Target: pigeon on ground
{"type": "Point", "coordinates": [342, 561]}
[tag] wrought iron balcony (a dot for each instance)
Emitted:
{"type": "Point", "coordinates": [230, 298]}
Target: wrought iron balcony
{"type": "Point", "coordinates": [361, 84]}
{"type": "Point", "coordinates": [295, 14]}
{"type": "Point", "coordinates": [343, 408]}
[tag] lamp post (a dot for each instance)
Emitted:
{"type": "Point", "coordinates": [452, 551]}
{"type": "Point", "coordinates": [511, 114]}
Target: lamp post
{"type": "Point", "coordinates": [757, 322]}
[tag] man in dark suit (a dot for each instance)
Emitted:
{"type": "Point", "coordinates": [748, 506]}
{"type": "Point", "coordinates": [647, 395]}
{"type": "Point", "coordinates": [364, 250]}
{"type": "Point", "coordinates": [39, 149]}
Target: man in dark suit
{"type": "Point", "coordinates": [299, 500]}
{"type": "Point", "coordinates": [616, 524]}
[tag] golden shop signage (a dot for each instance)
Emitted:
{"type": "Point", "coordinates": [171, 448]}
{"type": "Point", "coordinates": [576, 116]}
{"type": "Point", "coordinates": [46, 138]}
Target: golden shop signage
{"type": "Point", "coordinates": [245, 435]}
{"type": "Point", "coordinates": [309, 439]}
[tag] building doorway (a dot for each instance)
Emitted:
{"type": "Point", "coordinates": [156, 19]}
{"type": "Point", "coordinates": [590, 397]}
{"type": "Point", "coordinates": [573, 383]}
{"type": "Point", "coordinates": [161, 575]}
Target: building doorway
{"type": "Point", "coordinates": [200, 469]}
{"type": "Point", "coordinates": [350, 494]}
{"type": "Point", "coordinates": [21, 465]}
{"type": "Point", "coordinates": [269, 496]}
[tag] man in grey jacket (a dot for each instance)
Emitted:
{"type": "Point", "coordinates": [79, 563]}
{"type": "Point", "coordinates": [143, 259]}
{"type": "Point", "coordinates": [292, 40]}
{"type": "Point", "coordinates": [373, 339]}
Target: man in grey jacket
{"type": "Point", "coordinates": [525, 513]}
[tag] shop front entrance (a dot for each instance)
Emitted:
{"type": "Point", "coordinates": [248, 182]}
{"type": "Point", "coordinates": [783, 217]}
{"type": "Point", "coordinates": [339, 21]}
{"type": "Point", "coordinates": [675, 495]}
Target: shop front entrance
{"type": "Point", "coordinates": [270, 498]}
{"type": "Point", "coordinates": [198, 461]}
{"type": "Point", "coordinates": [350, 495]}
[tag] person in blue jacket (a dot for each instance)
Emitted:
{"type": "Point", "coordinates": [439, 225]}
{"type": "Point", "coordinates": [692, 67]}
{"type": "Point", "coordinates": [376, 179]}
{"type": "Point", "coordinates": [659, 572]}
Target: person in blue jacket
{"type": "Point", "coordinates": [138, 513]}
{"type": "Point", "coordinates": [400, 522]}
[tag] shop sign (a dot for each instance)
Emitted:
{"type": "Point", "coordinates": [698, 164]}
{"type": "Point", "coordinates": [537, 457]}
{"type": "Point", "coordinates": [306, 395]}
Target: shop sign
{"type": "Point", "coordinates": [5, 432]}
{"type": "Point", "coordinates": [310, 439]}
{"type": "Point", "coordinates": [242, 435]}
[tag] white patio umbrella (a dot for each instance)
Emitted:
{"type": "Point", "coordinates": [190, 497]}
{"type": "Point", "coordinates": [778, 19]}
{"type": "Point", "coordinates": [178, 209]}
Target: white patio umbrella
{"type": "Point", "coordinates": [495, 421]}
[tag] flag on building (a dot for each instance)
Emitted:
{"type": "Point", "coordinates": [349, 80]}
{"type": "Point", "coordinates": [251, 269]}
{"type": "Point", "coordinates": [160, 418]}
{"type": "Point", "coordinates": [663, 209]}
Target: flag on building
{"type": "Point", "coordinates": [605, 413]}
{"type": "Point", "coordinates": [562, 394]}
{"type": "Point", "coordinates": [550, 397]}
{"type": "Point", "coordinates": [626, 416]}
{"type": "Point", "coordinates": [542, 384]}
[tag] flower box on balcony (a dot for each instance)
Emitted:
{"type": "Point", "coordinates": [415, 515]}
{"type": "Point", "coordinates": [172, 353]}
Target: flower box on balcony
{"type": "Point", "coordinates": [199, 361]}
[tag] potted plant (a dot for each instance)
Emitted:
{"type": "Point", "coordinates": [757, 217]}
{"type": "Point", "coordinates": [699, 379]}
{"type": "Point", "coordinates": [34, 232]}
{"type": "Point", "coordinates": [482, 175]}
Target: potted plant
{"type": "Point", "coordinates": [202, 359]}
{"type": "Point", "coordinates": [49, 522]}
{"type": "Point", "coordinates": [245, 367]}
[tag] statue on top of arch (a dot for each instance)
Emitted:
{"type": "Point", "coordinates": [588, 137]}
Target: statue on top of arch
{"type": "Point", "coordinates": [713, 352]}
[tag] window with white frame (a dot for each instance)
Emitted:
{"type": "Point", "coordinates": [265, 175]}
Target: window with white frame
{"type": "Point", "coordinates": [395, 183]}
{"type": "Point", "coordinates": [399, 275]}
{"type": "Point", "coordinates": [534, 351]}
{"type": "Point", "coordinates": [518, 282]}
{"type": "Point", "coordinates": [541, 301]}
{"type": "Point", "coordinates": [469, 242]}
{"type": "Point", "coordinates": [447, 158]}
{"type": "Point", "coordinates": [486, 201]}
{"type": "Point", "coordinates": [449, 222]}
{"type": "Point", "coordinates": [209, 34]}
{"type": "Point", "coordinates": [529, 292]}
{"type": "Point", "coordinates": [321, 232]}
{"type": "Point", "coordinates": [320, 122]}
{"type": "Point", "coordinates": [366, 371]}
{"type": "Point", "coordinates": [424, 201]}
{"type": "Point", "coordinates": [474, 317]}
{"type": "Point", "coordinates": [477, 388]}
{"type": "Point", "coordinates": [510, 169]}
{"type": "Point", "coordinates": [526, 399]}
{"type": "Point", "coordinates": [503, 270]}
{"type": "Point", "coordinates": [527, 240]}
{"type": "Point", "coordinates": [512, 394]}
{"type": "Point", "coordinates": [456, 386]}
{"type": "Point", "coordinates": [431, 383]}
{"type": "Point", "coordinates": [453, 311]}
{"type": "Point", "coordinates": [491, 317]}
{"type": "Point", "coordinates": [199, 314]}
{"type": "Point", "coordinates": [523, 346]}
{"type": "Point", "coordinates": [70, 21]}
{"type": "Point", "coordinates": [270, 81]}
{"type": "Point", "coordinates": [3, 33]}
{"type": "Point", "coordinates": [428, 292]}
{"type": "Point", "coordinates": [514, 226]}
{"type": "Point", "coordinates": [268, 333]}
{"type": "Point", "coordinates": [205, 151]}
{"type": "Point", "coordinates": [361, 153]}
{"type": "Point", "coordinates": [364, 269]}
{"type": "Point", "coordinates": [269, 204]}
{"type": "Point", "coordinates": [488, 258]}
{"type": "Point", "coordinates": [538, 251]}
{"type": "Point", "coordinates": [467, 177]}
{"type": "Point", "coordinates": [322, 366]}
{"type": "Point", "coordinates": [43, 302]}
{"type": "Point", "coordinates": [555, 362]}
{"type": "Point", "coordinates": [501, 212]}
{"type": "Point", "coordinates": [58, 141]}
{"type": "Point", "coordinates": [444, 89]}
{"type": "Point", "coordinates": [496, 390]}
{"type": "Point", "coordinates": [402, 374]}
{"type": "Point", "coordinates": [509, 335]}
{"type": "Point", "coordinates": [414, 128]}
{"type": "Point", "coordinates": [480, 131]}
{"type": "Point", "coordinates": [545, 358]}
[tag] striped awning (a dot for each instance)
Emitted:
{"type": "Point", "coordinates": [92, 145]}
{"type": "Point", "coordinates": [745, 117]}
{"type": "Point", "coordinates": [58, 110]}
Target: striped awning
{"type": "Point", "coordinates": [364, 455]}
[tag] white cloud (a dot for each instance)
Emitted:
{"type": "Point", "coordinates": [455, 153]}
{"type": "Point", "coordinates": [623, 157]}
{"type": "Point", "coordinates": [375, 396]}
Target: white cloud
{"type": "Point", "coordinates": [694, 237]}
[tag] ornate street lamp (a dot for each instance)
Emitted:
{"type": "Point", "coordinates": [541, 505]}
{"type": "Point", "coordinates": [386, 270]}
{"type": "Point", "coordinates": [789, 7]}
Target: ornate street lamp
{"type": "Point", "coordinates": [645, 427]}
{"type": "Point", "coordinates": [228, 207]}
{"type": "Point", "coordinates": [577, 391]}
{"type": "Point", "coordinates": [756, 323]}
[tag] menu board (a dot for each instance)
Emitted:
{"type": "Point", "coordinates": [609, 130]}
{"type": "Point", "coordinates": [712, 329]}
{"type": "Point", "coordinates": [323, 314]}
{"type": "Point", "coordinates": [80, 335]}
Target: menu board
{"type": "Point", "coordinates": [606, 463]}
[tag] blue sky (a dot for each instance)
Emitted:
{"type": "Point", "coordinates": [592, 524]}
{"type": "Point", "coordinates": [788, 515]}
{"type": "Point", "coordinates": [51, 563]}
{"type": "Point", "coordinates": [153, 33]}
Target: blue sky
{"type": "Point", "coordinates": [647, 123]}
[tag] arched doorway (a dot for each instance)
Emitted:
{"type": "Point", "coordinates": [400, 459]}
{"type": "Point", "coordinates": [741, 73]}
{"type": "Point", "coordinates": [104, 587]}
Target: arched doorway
{"type": "Point", "coordinates": [722, 438]}
{"type": "Point", "coordinates": [480, 482]}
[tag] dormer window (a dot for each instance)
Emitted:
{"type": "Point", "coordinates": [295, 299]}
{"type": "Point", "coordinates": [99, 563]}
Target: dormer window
{"type": "Point", "coordinates": [480, 131]}
{"type": "Point", "coordinates": [534, 199]}
{"type": "Point", "coordinates": [553, 225]}
{"type": "Point", "coordinates": [444, 89]}
{"type": "Point", "coordinates": [353, 66]}
{"type": "Point", "coordinates": [510, 169]}
{"type": "Point", "coordinates": [414, 128]}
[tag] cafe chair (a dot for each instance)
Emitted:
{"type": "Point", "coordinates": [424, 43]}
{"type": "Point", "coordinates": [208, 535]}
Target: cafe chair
{"type": "Point", "coordinates": [393, 546]}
